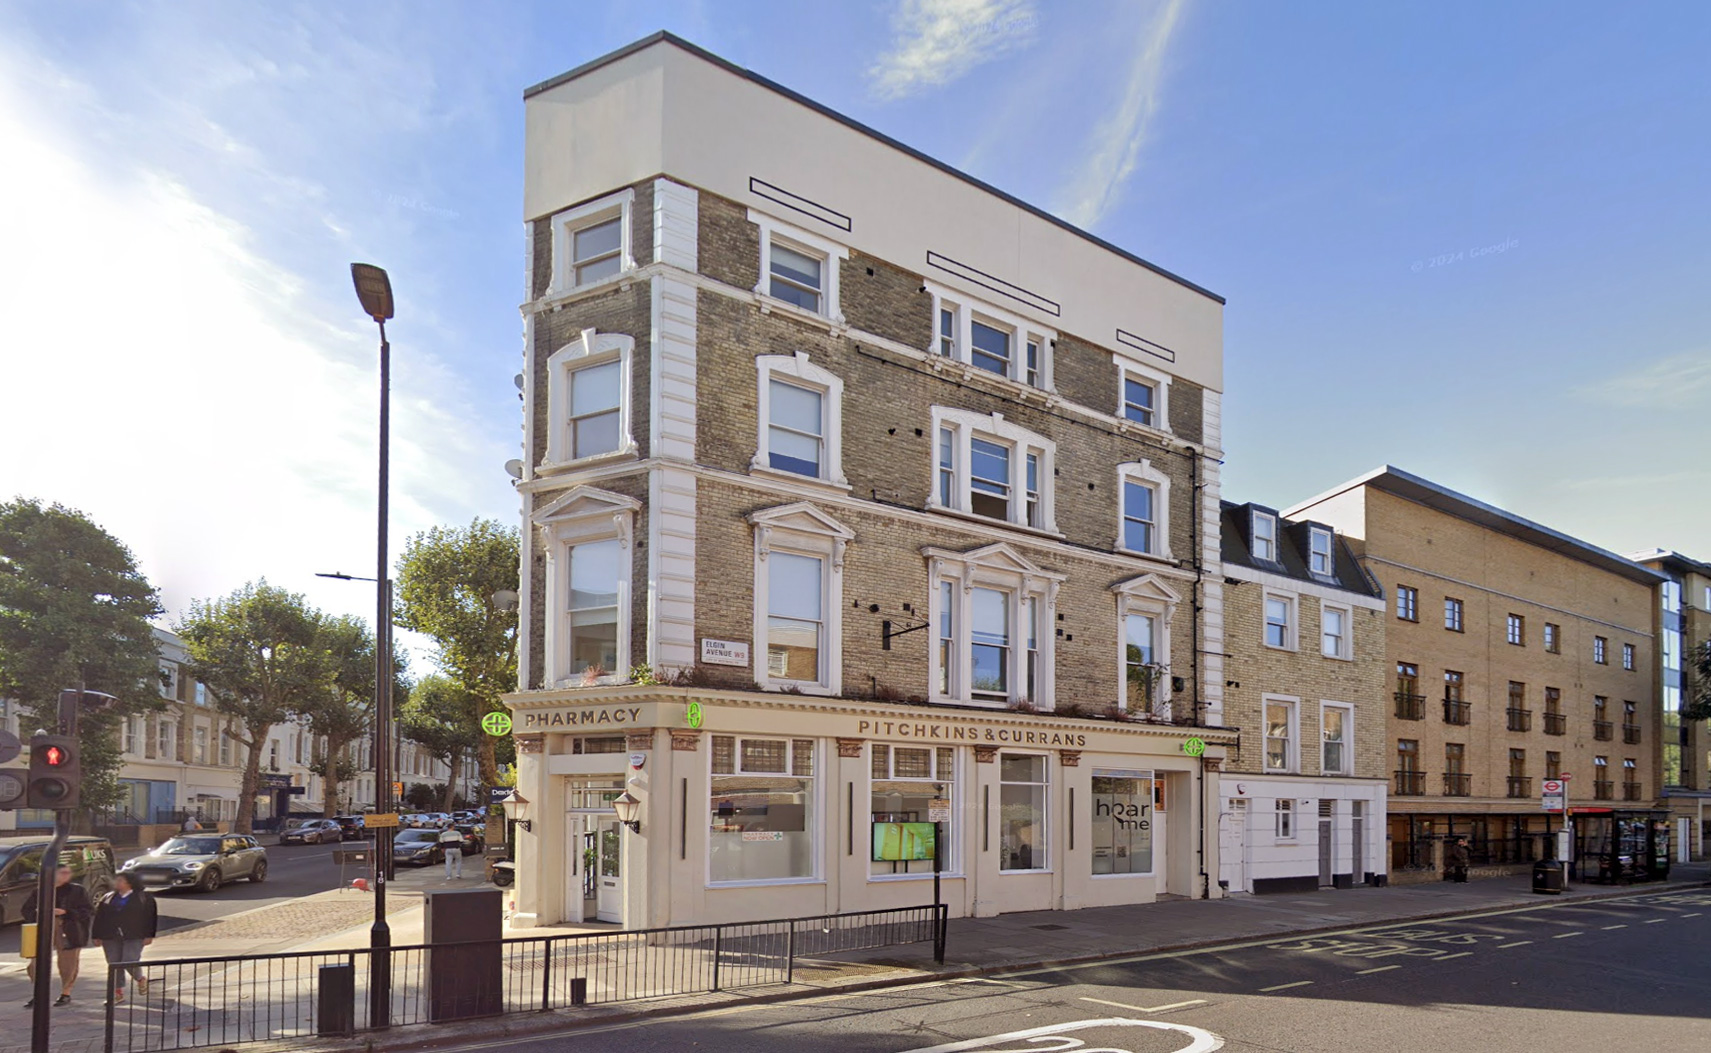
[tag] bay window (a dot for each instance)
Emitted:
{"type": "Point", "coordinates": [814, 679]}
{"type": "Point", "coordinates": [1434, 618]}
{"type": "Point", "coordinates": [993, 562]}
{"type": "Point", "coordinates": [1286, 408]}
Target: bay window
{"type": "Point", "coordinates": [991, 614]}
{"type": "Point", "coordinates": [799, 557]}
{"type": "Point", "coordinates": [1144, 508]}
{"type": "Point", "coordinates": [763, 823]}
{"type": "Point", "coordinates": [800, 414]}
{"type": "Point", "coordinates": [588, 576]}
{"type": "Point", "coordinates": [588, 399]}
{"type": "Point", "coordinates": [1022, 834]}
{"type": "Point", "coordinates": [988, 467]}
{"type": "Point", "coordinates": [989, 339]}
{"type": "Point", "coordinates": [906, 780]}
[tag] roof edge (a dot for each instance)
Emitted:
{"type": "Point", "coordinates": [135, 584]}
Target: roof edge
{"type": "Point", "coordinates": [666, 37]}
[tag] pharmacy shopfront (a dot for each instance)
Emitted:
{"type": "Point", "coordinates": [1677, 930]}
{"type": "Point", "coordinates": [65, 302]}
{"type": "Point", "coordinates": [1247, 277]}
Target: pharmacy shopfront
{"type": "Point", "coordinates": [762, 805]}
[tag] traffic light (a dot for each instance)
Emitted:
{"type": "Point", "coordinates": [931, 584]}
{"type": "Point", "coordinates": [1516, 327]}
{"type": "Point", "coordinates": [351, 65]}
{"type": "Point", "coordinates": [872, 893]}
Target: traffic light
{"type": "Point", "coordinates": [54, 774]}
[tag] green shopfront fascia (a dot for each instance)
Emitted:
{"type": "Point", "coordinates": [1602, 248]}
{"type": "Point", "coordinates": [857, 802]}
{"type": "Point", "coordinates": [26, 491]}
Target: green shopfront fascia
{"type": "Point", "coordinates": [767, 808]}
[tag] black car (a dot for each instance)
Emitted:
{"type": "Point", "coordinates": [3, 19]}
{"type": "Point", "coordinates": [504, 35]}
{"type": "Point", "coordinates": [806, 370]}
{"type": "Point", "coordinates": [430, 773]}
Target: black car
{"type": "Point", "coordinates": [421, 847]}
{"type": "Point", "coordinates": [353, 827]}
{"type": "Point", "coordinates": [474, 837]}
{"type": "Point", "coordinates": [90, 860]}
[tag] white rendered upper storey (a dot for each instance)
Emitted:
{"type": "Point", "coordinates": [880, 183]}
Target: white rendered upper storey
{"type": "Point", "coordinates": [664, 107]}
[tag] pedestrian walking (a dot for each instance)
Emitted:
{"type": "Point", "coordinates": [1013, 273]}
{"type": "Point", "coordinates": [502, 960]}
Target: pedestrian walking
{"type": "Point", "coordinates": [191, 826]}
{"type": "Point", "coordinates": [1456, 861]}
{"type": "Point", "coordinates": [67, 933]}
{"type": "Point", "coordinates": [451, 845]}
{"type": "Point", "coordinates": [124, 925]}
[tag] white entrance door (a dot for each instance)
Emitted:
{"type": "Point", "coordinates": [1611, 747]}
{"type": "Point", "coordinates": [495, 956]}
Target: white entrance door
{"type": "Point", "coordinates": [609, 873]}
{"type": "Point", "coordinates": [1233, 844]}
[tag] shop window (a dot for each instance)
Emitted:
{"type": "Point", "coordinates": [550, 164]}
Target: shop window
{"type": "Point", "coordinates": [906, 780]}
{"type": "Point", "coordinates": [1122, 821]}
{"type": "Point", "coordinates": [762, 811]}
{"type": "Point", "coordinates": [1022, 833]}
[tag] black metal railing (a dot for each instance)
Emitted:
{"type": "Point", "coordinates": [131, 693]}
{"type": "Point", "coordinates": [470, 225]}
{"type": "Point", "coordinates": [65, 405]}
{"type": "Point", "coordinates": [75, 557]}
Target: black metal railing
{"type": "Point", "coordinates": [1602, 730]}
{"type": "Point", "coordinates": [1410, 783]}
{"type": "Point", "coordinates": [1410, 706]}
{"type": "Point", "coordinates": [1457, 784]}
{"type": "Point", "coordinates": [1631, 734]}
{"type": "Point", "coordinates": [1520, 786]}
{"type": "Point", "coordinates": [1602, 790]}
{"type": "Point", "coordinates": [296, 997]}
{"type": "Point", "coordinates": [1556, 724]}
{"type": "Point", "coordinates": [1457, 711]}
{"type": "Point", "coordinates": [1630, 791]}
{"type": "Point", "coordinates": [1520, 719]}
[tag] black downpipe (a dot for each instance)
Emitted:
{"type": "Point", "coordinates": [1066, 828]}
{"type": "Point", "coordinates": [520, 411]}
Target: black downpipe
{"type": "Point", "coordinates": [1194, 664]}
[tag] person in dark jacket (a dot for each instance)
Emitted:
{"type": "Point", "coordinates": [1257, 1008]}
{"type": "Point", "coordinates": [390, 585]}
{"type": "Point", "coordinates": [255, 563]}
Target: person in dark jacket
{"type": "Point", "coordinates": [72, 911]}
{"type": "Point", "coordinates": [1456, 861]}
{"type": "Point", "coordinates": [124, 925]}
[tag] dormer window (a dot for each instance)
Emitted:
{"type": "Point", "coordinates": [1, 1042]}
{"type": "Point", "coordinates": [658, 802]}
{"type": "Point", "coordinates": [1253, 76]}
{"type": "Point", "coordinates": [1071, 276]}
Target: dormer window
{"type": "Point", "coordinates": [1319, 554]}
{"type": "Point", "coordinates": [1265, 536]}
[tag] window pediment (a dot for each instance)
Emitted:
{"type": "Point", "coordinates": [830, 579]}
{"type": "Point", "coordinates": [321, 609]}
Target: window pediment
{"type": "Point", "coordinates": [803, 518]}
{"type": "Point", "coordinates": [587, 510]}
{"type": "Point", "coordinates": [996, 556]}
{"type": "Point", "coordinates": [1147, 587]}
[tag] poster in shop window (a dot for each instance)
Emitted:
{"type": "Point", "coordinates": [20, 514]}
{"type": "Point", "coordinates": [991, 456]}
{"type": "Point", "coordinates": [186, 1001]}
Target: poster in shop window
{"type": "Point", "coordinates": [902, 842]}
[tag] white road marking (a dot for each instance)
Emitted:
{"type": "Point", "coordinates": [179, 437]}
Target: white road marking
{"type": "Point", "coordinates": [1566, 935]}
{"type": "Point", "coordinates": [1517, 943]}
{"type": "Point", "coordinates": [1695, 914]}
{"type": "Point", "coordinates": [1285, 987]}
{"type": "Point", "coordinates": [1146, 1009]}
{"type": "Point", "coordinates": [1607, 928]}
{"type": "Point", "coordinates": [1656, 921]}
{"type": "Point", "coordinates": [1204, 1041]}
{"type": "Point", "coordinates": [1447, 957]}
{"type": "Point", "coordinates": [1380, 969]}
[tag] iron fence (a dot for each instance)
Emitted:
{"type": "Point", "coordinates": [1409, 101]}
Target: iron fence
{"type": "Point", "coordinates": [296, 996]}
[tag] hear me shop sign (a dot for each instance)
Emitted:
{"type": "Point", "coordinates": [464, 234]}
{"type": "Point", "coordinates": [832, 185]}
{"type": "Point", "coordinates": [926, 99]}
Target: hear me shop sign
{"type": "Point", "coordinates": [1123, 821]}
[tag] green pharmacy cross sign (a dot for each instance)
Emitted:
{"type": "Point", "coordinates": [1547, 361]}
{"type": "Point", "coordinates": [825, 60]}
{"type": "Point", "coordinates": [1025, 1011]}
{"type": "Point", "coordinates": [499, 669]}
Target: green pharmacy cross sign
{"type": "Point", "coordinates": [1194, 747]}
{"type": "Point", "coordinates": [693, 716]}
{"type": "Point", "coordinates": [496, 723]}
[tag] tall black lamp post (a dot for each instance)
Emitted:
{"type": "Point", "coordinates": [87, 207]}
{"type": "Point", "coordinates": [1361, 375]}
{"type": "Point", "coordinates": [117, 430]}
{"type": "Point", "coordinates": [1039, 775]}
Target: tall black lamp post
{"type": "Point", "coordinates": [374, 289]}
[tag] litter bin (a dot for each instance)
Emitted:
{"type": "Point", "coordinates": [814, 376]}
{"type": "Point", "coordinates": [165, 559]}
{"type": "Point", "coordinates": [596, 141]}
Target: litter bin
{"type": "Point", "coordinates": [1548, 877]}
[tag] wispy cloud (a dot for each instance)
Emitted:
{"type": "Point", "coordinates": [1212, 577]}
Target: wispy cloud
{"type": "Point", "coordinates": [935, 42]}
{"type": "Point", "coordinates": [1115, 146]}
{"type": "Point", "coordinates": [1673, 382]}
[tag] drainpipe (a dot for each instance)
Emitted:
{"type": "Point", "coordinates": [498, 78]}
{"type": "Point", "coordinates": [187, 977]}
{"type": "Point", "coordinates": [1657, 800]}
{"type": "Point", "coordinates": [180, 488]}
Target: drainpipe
{"type": "Point", "coordinates": [1194, 664]}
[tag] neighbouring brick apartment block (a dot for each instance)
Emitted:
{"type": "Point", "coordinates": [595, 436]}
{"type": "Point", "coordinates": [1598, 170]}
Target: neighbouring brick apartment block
{"type": "Point", "coordinates": [856, 494]}
{"type": "Point", "coordinates": [1303, 796]}
{"type": "Point", "coordinates": [1517, 654]}
{"type": "Point", "coordinates": [1683, 626]}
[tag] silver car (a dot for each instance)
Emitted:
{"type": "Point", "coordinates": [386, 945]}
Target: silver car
{"type": "Point", "coordinates": [200, 861]}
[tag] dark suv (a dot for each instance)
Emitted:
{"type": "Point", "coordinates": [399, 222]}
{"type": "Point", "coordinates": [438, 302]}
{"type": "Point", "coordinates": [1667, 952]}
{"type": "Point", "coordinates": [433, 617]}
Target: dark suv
{"type": "Point", "coordinates": [90, 860]}
{"type": "Point", "coordinates": [352, 826]}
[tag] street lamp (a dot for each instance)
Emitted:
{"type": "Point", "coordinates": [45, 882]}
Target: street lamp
{"type": "Point", "coordinates": [517, 809]}
{"type": "Point", "coordinates": [628, 810]}
{"type": "Point", "coordinates": [374, 291]}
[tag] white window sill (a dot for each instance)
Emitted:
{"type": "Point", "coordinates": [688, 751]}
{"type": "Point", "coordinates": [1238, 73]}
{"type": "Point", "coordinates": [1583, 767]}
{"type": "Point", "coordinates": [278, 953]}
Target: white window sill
{"type": "Point", "coordinates": [555, 297]}
{"type": "Point", "coordinates": [1126, 425]}
{"type": "Point", "coordinates": [977, 703]}
{"type": "Point", "coordinates": [768, 472]}
{"type": "Point", "coordinates": [1121, 877]}
{"type": "Point", "coordinates": [1049, 531]}
{"type": "Point", "coordinates": [626, 452]}
{"type": "Point", "coordinates": [609, 680]}
{"type": "Point", "coordinates": [968, 371]}
{"type": "Point", "coordinates": [803, 687]}
{"type": "Point", "coordinates": [1023, 873]}
{"type": "Point", "coordinates": [769, 304]}
{"type": "Point", "coordinates": [1281, 771]}
{"type": "Point", "coordinates": [761, 883]}
{"type": "Point", "coordinates": [1162, 557]}
{"type": "Point", "coordinates": [1274, 647]}
{"type": "Point", "coordinates": [1336, 657]}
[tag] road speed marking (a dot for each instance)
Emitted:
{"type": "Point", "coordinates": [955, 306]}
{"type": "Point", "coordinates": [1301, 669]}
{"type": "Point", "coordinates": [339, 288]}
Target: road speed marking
{"type": "Point", "coordinates": [1146, 1009]}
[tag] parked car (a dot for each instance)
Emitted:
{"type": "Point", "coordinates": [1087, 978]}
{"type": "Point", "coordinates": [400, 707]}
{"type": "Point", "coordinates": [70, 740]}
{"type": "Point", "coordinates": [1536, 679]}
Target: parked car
{"type": "Point", "coordinates": [313, 832]}
{"type": "Point", "coordinates": [90, 859]}
{"type": "Point", "coordinates": [352, 826]}
{"type": "Point", "coordinates": [421, 847]}
{"type": "Point", "coordinates": [200, 861]}
{"type": "Point", "coordinates": [474, 838]}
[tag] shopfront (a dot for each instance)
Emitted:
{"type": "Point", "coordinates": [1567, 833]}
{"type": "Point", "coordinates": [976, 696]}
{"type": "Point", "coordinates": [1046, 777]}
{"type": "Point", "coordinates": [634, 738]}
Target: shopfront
{"type": "Point", "coordinates": [763, 805]}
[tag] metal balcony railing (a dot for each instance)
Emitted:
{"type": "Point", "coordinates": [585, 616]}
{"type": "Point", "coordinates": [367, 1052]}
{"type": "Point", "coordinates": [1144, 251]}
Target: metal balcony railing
{"type": "Point", "coordinates": [1457, 784]}
{"type": "Point", "coordinates": [1520, 719]}
{"type": "Point", "coordinates": [1410, 783]}
{"type": "Point", "coordinates": [1630, 791]}
{"type": "Point", "coordinates": [1556, 724]}
{"type": "Point", "coordinates": [1601, 790]}
{"type": "Point", "coordinates": [1603, 730]}
{"type": "Point", "coordinates": [1520, 786]}
{"type": "Point", "coordinates": [1457, 712]}
{"type": "Point", "coordinates": [1631, 734]}
{"type": "Point", "coordinates": [1410, 706]}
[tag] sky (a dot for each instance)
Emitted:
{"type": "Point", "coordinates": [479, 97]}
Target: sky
{"type": "Point", "coordinates": [1469, 240]}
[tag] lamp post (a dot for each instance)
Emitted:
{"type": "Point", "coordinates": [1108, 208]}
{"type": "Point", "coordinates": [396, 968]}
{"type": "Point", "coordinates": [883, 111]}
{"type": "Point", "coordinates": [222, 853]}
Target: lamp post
{"type": "Point", "coordinates": [382, 641]}
{"type": "Point", "coordinates": [374, 290]}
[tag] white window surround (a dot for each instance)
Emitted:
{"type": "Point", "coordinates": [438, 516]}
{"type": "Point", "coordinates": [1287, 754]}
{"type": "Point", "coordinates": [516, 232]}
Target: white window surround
{"type": "Point", "coordinates": [1147, 594]}
{"type": "Point", "coordinates": [584, 514]}
{"type": "Point", "coordinates": [1348, 737]}
{"type": "Point", "coordinates": [816, 816]}
{"type": "Point", "coordinates": [995, 566]}
{"type": "Point", "coordinates": [1287, 827]}
{"type": "Point", "coordinates": [1268, 539]}
{"type": "Point", "coordinates": [1292, 757]}
{"type": "Point", "coordinates": [802, 529]}
{"type": "Point", "coordinates": [1292, 634]}
{"type": "Point", "coordinates": [967, 424]}
{"type": "Point", "coordinates": [591, 348]}
{"type": "Point", "coordinates": [566, 224]}
{"type": "Point", "coordinates": [1346, 649]}
{"type": "Point", "coordinates": [797, 369]}
{"type": "Point", "coordinates": [1129, 369]}
{"type": "Point", "coordinates": [1316, 535]}
{"type": "Point", "coordinates": [1144, 472]}
{"type": "Point", "coordinates": [967, 309]}
{"type": "Point", "coordinates": [802, 241]}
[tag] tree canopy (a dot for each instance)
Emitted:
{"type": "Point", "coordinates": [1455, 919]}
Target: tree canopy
{"type": "Point", "coordinates": [1698, 705]}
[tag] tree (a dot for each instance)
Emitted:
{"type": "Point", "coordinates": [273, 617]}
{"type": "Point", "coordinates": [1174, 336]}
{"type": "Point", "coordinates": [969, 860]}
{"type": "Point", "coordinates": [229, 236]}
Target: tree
{"type": "Point", "coordinates": [75, 610]}
{"type": "Point", "coordinates": [262, 654]}
{"type": "Point", "coordinates": [447, 578]}
{"type": "Point", "coordinates": [440, 716]}
{"type": "Point", "coordinates": [1698, 706]}
{"type": "Point", "coordinates": [344, 713]}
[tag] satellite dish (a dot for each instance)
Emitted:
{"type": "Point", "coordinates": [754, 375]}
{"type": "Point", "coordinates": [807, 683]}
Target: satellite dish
{"type": "Point", "coordinates": [518, 380]}
{"type": "Point", "coordinates": [514, 468]}
{"type": "Point", "coordinates": [505, 600]}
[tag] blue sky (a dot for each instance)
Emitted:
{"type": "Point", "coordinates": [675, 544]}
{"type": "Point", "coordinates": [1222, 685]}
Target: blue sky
{"type": "Point", "coordinates": [1470, 240]}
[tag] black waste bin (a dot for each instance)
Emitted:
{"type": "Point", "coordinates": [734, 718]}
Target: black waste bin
{"type": "Point", "coordinates": [1548, 877]}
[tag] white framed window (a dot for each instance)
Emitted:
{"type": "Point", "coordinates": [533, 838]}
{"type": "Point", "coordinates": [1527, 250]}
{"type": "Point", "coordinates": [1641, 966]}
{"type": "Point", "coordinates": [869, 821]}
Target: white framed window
{"type": "Point", "coordinates": [588, 400]}
{"type": "Point", "coordinates": [986, 466]}
{"type": "Point", "coordinates": [993, 614]}
{"type": "Point", "coordinates": [1282, 734]}
{"type": "Point", "coordinates": [1600, 647]}
{"type": "Point", "coordinates": [1143, 394]}
{"type": "Point", "coordinates": [588, 594]}
{"type": "Point", "coordinates": [1628, 657]}
{"type": "Point", "coordinates": [1122, 821]}
{"type": "Point", "coordinates": [763, 811]}
{"type": "Point", "coordinates": [1515, 630]}
{"type": "Point", "coordinates": [591, 243]}
{"type": "Point", "coordinates": [799, 268]}
{"type": "Point", "coordinates": [798, 621]}
{"type": "Point", "coordinates": [1145, 609]}
{"type": "Point", "coordinates": [128, 734]}
{"type": "Point", "coordinates": [201, 744]}
{"type": "Point", "coordinates": [1319, 559]}
{"type": "Point", "coordinates": [169, 679]}
{"type": "Point", "coordinates": [989, 339]}
{"type": "Point", "coordinates": [1335, 625]}
{"type": "Point", "coordinates": [1407, 603]}
{"type": "Point", "coordinates": [1264, 528]}
{"type": "Point", "coordinates": [1284, 809]}
{"type": "Point", "coordinates": [201, 693]}
{"type": "Point", "coordinates": [1022, 816]}
{"type": "Point", "coordinates": [1280, 621]}
{"type": "Point", "coordinates": [905, 782]}
{"type": "Point", "coordinates": [1143, 527]}
{"type": "Point", "coordinates": [1454, 614]}
{"type": "Point", "coordinates": [166, 742]}
{"type": "Point", "coordinates": [1336, 738]}
{"type": "Point", "coordinates": [801, 419]}
{"type": "Point", "coordinates": [225, 748]}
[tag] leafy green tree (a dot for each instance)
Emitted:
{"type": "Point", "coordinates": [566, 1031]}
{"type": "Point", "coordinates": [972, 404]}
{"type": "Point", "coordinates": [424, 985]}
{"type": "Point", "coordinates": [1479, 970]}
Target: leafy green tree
{"type": "Point", "coordinates": [262, 653]}
{"type": "Point", "coordinates": [440, 716]}
{"type": "Point", "coordinates": [345, 713]}
{"type": "Point", "coordinates": [75, 610]}
{"type": "Point", "coordinates": [1698, 705]}
{"type": "Point", "coordinates": [447, 578]}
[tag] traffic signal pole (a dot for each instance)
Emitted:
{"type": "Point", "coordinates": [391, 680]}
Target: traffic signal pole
{"type": "Point", "coordinates": [47, 925]}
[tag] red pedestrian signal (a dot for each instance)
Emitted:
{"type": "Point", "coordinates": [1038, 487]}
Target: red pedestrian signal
{"type": "Point", "coordinates": [54, 776]}
{"type": "Point", "coordinates": [54, 757]}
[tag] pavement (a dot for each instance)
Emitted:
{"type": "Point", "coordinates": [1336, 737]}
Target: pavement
{"type": "Point", "coordinates": [977, 947]}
